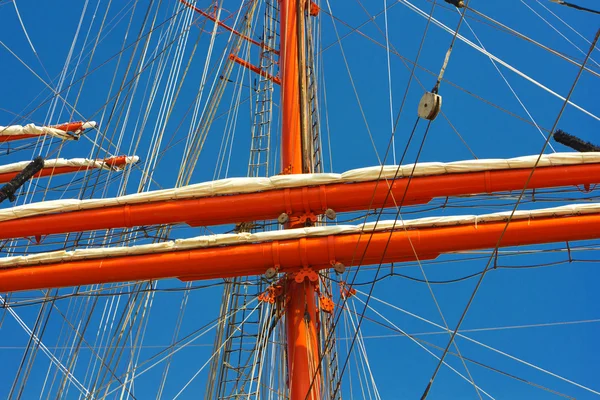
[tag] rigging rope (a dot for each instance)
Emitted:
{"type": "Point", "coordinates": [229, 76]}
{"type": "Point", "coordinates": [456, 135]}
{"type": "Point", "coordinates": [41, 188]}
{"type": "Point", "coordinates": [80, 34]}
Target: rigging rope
{"type": "Point", "coordinates": [575, 6]}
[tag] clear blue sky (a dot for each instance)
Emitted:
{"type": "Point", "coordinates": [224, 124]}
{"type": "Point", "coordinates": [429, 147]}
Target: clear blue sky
{"type": "Point", "coordinates": [508, 297]}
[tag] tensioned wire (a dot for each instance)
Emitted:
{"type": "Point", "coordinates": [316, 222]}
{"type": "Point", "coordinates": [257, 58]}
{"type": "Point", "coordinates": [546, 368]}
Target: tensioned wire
{"type": "Point", "coordinates": [420, 342]}
{"type": "Point", "coordinates": [410, 177]}
{"type": "Point", "coordinates": [489, 263]}
{"type": "Point", "coordinates": [338, 385]}
{"type": "Point", "coordinates": [475, 341]}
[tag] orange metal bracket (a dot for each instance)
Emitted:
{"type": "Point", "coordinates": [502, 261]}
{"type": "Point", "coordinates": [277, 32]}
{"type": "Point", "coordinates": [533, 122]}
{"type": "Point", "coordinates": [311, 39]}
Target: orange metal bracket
{"type": "Point", "coordinates": [326, 304]}
{"type": "Point", "coordinates": [226, 27]}
{"type": "Point", "coordinates": [254, 68]}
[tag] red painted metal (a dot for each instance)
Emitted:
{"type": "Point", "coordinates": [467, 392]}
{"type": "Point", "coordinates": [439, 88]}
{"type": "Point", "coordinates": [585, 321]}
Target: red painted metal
{"type": "Point", "coordinates": [291, 255]}
{"type": "Point", "coordinates": [254, 68]}
{"type": "Point", "coordinates": [119, 161]}
{"type": "Point", "coordinates": [303, 345]}
{"type": "Point", "coordinates": [296, 201]}
{"type": "Point", "coordinates": [68, 127]}
{"type": "Point", "coordinates": [291, 146]}
{"type": "Point", "coordinates": [226, 27]}
{"type": "Point", "coordinates": [301, 313]}
{"type": "Point", "coordinates": [12, 138]}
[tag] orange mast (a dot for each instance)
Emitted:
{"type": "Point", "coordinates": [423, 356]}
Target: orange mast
{"type": "Point", "coordinates": [301, 314]}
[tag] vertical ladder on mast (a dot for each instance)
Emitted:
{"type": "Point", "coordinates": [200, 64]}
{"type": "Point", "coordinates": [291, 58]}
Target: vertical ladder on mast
{"type": "Point", "coordinates": [261, 128]}
{"type": "Point", "coordinates": [313, 106]}
{"type": "Point", "coordinates": [237, 369]}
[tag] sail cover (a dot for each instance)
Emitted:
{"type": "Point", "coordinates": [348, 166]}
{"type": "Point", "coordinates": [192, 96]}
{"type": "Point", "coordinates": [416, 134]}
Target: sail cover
{"type": "Point", "coordinates": [61, 131]}
{"type": "Point", "coordinates": [252, 185]}
{"type": "Point", "coordinates": [83, 163]}
{"type": "Point", "coordinates": [268, 236]}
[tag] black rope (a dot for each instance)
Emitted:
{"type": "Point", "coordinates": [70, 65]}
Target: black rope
{"type": "Point", "coordinates": [575, 6]}
{"type": "Point", "coordinates": [574, 142]}
{"type": "Point", "coordinates": [456, 3]}
{"type": "Point", "coordinates": [8, 191]}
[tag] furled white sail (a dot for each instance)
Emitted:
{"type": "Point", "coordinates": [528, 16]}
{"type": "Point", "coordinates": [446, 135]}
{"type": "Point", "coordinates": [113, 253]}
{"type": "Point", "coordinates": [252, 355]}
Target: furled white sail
{"type": "Point", "coordinates": [251, 185]}
{"type": "Point", "coordinates": [32, 129]}
{"type": "Point", "coordinates": [267, 236]}
{"type": "Point", "coordinates": [72, 162]}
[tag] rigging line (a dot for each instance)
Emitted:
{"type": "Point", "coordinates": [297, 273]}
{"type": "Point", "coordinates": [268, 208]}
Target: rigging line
{"type": "Point", "coordinates": [449, 52]}
{"type": "Point", "coordinates": [485, 346]}
{"type": "Point", "coordinates": [124, 327]}
{"type": "Point", "coordinates": [447, 281]}
{"type": "Point", "coordinates": [496, 328]}
{"type": "Point", "coordinates": [169, 98]}
{"type": "Point", "coordinates": [106, 368]}
{"type": "Point", "coordinates": [197, 136]}
{"type": "Point", "coordinates": [96, 68]}
{"type": "Point", "coordinates": [389, 72]}
{"type": "Point", "coordinates": [575, 6]}
{"type": "Point", "coordinates": [348, 316]}
{"type": "Point", "coordinates": [347, 328]}
{"type": "Point", "coordinates": [214, 354]}
{"type": "Point", "coordinates": [176, 347]}
{"type": "Point", "coordinates": [45, 350]}
{"type": "Point", "coordinates": [125, 86]}
{"type": "Point", "coordinates": [415, 63]}
{"type": "Point", "coordinates": [387, 244]}
{"type": "Point", "coordinates": [364, 117]}
{"type": "Point", "coordinates": [559, 32]}
{"type": "Point", "coordinates": [458, 134]}
{"type": "Point", "coordinates": [532, 41]}
{"type": "Point", "coordinates": [23, 26]}
{"type": "Point", "coordinates": [511, 88]}
{"type": "Point", "coordinates": [81, 336]}
{"type": "Point", "coordinates": [361, 345]}
{"type": "Point", "coordinates": [56, 94]}
{"type": "Point", "coordinates": [417, 10]}
{"type": "Point", "coordinates": [329, 340]}
{"type": "Point", "coordinates": [122, 333]}
{"type": "Point", "coordinates": [420, 345]}
{"type": "Point", "coordinates": [406, 60]}
{"type": "Point", "coordinates": [28, 358]}
{"type": "Point", "coordinates": [392, 140]}
{"type": "Point", "coordinates": [564, 23]}
{"type": "Point", "coordinates": [362, 358]}
{"type": "Point", "coordinates": [439, 309]}
{"type": "Point", "coordinates": [344, 300]}
{"type": "Point", "coordinates": [412, 337]}
{"type": "Point", "coordinates": [472, 297]}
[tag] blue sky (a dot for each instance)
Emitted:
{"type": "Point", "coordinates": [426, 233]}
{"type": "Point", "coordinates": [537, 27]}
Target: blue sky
{"type": "Point", "coordinates": [508, 297]}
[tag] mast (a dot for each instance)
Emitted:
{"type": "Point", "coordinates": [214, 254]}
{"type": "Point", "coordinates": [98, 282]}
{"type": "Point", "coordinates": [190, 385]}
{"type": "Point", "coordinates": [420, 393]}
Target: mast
{"type": "Point", "coordinates": [301, 316]}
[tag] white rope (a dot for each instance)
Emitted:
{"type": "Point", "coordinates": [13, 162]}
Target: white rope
{"type": "Point", "coordinates": [421, 345]}
{"type": "Point", "coordinates": [484, 345]}
{"type": "Point", "coordinates": [214, 354]}
{"type": "Point", "coordinates": [510, 87]}
{"type": "Point", "coordinates": [583, 52]}
{"type": "Point", "coordinates": [389, 73]}
{"type": "Point", "coordinates": [45, 350]}
{"type": "Point", "coordinates": [493, 57]}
